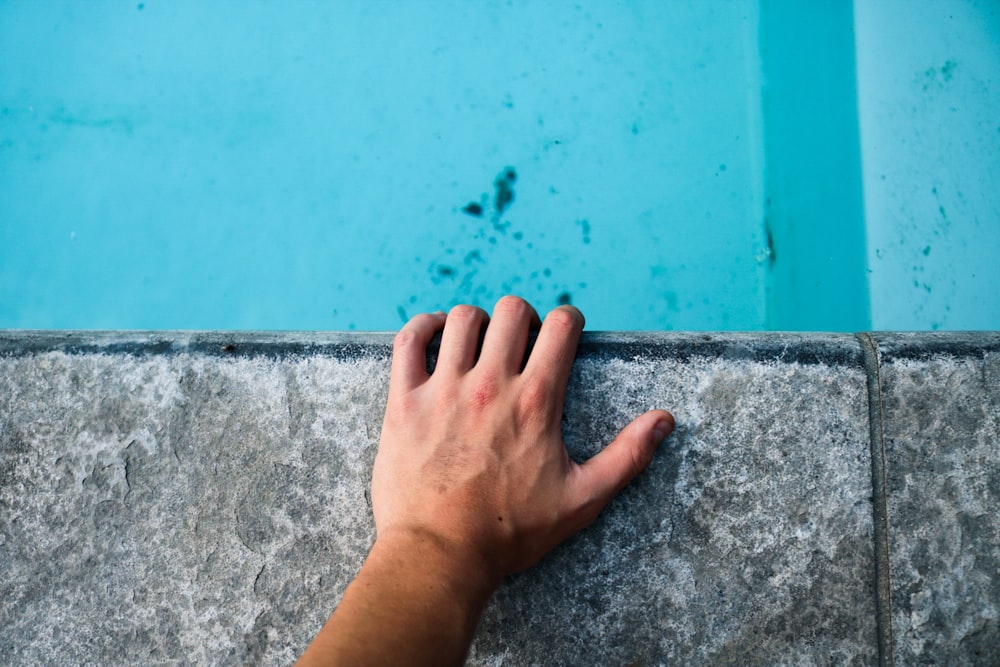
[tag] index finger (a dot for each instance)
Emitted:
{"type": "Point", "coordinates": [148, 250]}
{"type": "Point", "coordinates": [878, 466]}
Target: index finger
{"type": "Point", "coordinates": [409, 352]}
{"type": "Point", "coordinates": [552, 358]}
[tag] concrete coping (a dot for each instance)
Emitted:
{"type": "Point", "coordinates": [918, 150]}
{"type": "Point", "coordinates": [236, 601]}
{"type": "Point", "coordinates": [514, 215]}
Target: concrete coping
{"type": "Point", "coordinates": [202, 497]}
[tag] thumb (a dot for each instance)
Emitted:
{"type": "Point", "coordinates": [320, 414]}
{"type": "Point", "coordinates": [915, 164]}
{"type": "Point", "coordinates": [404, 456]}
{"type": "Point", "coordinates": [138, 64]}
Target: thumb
{"type": "Point", "coordinates": [608, 471]}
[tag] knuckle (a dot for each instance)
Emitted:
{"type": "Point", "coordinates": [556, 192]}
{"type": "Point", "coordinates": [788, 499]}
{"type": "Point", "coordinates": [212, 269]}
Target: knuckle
{"type": "Point", "coordinates": [485, 391]}
{"type": "Point", "coordinates": [406, 338]}
{"type": "Point", "coordinates": [639, 458]}
{"type": "Point", "coordinates": [512, 305]}
{"type": "Point", "coordinates": [416, 331]}
{"type": "Point", "coordinates": [400, 408]}
{"type": "Point", "coordinates": [563, 320]}
{"type": "Point", "coordinates": [465, 313]}
{"type": "Point", "coordinates": [533, 401]}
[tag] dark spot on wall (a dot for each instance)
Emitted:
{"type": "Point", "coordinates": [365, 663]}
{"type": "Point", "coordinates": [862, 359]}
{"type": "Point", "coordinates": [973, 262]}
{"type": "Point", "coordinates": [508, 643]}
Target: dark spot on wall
{"type": "Point", "coordinates": [565, 299]}
{"type": "Point", "coordinates": [927, 250]}
{"type": "Point", "coordinates": [140, 6]}
{"type": "Point", "coordinates": [446, 271]}
{"type": "Point", "coordinates": [772, 256]}
{"type": "Point", "coordinates": [518, 236]}
{"type": "Point", "coordinates": [722, 167]}
{"type": "Point", "coordinates": [948, 70]}
{"type": "Point", "coordinates": [473, 256]}
{"type": "Point", "coordinates": [585, 228]}
{"type": "Point", "coordinates": [671, 299]}
{"type": "Point", "coordinates": [473, 208]}
{"type": "Point", "coordinates": [504, 185]}
{"type": "Point", "coordinates": [402, 314]}
{"type": "Point", "coordinates": [547, 272]}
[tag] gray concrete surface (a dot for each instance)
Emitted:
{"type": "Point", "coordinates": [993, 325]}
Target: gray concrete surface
{"type": "Point", "coordinates": [941, 397]}
{"type": "Point", "coordinates": [202, 498]}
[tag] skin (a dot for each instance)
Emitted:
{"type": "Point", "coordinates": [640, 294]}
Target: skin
{"type": "Point", "coordinates": [472, 482]}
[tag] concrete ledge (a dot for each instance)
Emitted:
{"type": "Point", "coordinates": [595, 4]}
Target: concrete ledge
{"type": "Point", "coordinates": [941, 398]}
{"type": "Point", "coordinates": [202, 497]}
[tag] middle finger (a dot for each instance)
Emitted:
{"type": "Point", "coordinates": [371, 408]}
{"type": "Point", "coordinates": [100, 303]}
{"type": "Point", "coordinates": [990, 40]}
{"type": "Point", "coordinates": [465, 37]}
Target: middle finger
{"type": "Point", "coordinates": [507, 335]}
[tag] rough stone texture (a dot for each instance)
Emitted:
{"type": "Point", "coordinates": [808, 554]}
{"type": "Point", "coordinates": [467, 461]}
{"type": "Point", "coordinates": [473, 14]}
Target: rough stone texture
{"type": "Point", "coordinates": [747, 542]}
{"type": "Point", "coordinates": [202, 499]}
{"type": "Point", "coordinates": [179, 507]}
{"type": "Point", "coordinates": [941, 403]}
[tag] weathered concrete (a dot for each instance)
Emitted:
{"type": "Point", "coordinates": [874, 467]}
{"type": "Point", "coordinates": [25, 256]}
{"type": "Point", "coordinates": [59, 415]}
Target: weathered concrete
{"type": "Point", "coordinates": [941, 411]}
{"type": "Point", "coordinates": [202, 498]}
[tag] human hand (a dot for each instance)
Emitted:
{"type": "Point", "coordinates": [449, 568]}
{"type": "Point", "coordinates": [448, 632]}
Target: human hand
{"type": "Point", "coordinates": [471, 456]}
{"type": "Point", "coordinates": [471, 482]}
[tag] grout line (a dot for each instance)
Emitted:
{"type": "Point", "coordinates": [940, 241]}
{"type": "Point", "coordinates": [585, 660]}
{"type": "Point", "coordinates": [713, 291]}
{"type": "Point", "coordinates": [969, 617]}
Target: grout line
{"type": "Point", "coordinates": [880, 509]}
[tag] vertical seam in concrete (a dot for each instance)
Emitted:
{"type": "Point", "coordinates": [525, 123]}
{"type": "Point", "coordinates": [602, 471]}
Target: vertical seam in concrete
{"type": "Point", "coordinates": [880, 509]}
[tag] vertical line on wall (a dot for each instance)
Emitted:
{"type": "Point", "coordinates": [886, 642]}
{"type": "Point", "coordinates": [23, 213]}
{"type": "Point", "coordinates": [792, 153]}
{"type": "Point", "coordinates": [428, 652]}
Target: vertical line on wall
{"type": "Point", "coordinates": [813, 214]}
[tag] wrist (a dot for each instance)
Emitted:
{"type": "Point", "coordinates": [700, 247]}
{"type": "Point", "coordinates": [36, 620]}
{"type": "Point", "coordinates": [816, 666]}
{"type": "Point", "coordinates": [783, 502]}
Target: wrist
{"type": "Point", "coordinates": [415, 596]}
{"type": "Point", "coordinates": [462, 575]}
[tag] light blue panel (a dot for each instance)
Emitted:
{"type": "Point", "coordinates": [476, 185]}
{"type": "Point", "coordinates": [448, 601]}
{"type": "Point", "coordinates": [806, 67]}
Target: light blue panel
{"type": "Point", "coordinates": [929, 98]}
{"type": "Point", "coordinates": [305, 165]}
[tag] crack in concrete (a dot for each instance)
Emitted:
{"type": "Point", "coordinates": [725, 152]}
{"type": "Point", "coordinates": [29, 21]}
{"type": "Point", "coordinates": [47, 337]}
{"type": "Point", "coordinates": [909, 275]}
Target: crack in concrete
{"type": "Point", "coordinates": [256, 580]}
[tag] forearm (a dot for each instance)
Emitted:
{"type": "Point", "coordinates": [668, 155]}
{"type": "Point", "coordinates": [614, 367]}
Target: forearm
{"type": "Point", "coordinates": [413, 602]}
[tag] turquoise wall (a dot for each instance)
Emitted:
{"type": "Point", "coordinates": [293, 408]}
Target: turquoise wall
{"type": "Point", "coordinates": [678, 165]}
{"type": "Point", "coordinates": [929, 109]}
{"type": "Point", "coordinates": [190, 164]}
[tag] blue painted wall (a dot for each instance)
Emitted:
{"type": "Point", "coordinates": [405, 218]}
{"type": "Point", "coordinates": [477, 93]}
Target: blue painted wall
{"type": "Point", "coordinates": [190, 164]}
{"type": "Point", "coordinates": [929, 108]}
{"type": "Point", "coordinates": [306, 166]}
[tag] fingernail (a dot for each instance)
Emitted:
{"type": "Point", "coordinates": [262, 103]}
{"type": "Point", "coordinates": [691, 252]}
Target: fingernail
{"type": "Point", "coordinates": [661, 431]}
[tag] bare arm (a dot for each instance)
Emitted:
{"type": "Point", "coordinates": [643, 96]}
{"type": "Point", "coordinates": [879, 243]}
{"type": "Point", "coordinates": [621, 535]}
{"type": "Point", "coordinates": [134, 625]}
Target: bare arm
{"type": "Point", "coordinates": [472, 481]}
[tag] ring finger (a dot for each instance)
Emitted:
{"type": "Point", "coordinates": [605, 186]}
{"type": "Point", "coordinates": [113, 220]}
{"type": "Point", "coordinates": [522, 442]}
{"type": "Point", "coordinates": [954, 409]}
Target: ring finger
{"type": "Point", "coordinates": [460, 340]}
